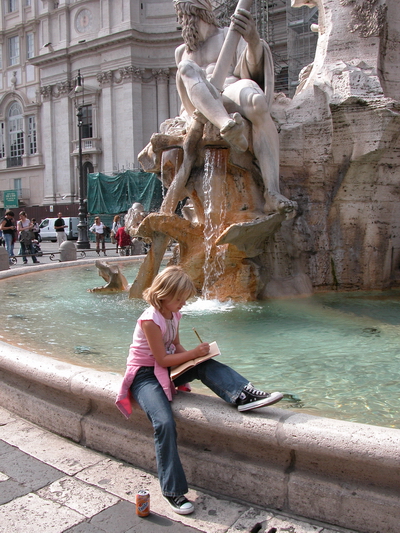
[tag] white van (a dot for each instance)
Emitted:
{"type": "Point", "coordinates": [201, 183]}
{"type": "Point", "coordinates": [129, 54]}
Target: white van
{"type": "Point", "coordinates": [48, 233]}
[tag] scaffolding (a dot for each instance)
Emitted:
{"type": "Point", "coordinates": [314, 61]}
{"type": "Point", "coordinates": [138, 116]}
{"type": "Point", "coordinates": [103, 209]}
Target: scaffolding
{"type": "Point", "coordinates": [288, 32]}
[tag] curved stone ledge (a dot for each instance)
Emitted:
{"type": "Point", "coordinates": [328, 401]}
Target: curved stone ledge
{"type": "Point", "coordinates": [337, 472]}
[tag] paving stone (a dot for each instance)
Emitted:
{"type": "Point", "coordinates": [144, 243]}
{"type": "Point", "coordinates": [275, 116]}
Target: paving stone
{"type": "Point", "coordinates": [27, 470]}
{"type": "Point", "coordinates": [213, 515]}
{"type": "Point", "coordinates": [56, 451]}
{"type": "Point", "coordinates": [249, 519]}
{"type": "Point", "coordinates": [83, 498]}
{"type": "Point", "coordinates": [4, 447]}
{"type": "Point", "coordinates": [115, 520]}
{"type": "Point", "coordinates": [84, 527]}
{"type": "Point", "coordinates": [6, 417]}
{"type": "Point", "coordinates": [290, 525]}
{"type": "Point", "coordinates": [10, 489]}
{"type": "Point", "coordinates": [31, 514]}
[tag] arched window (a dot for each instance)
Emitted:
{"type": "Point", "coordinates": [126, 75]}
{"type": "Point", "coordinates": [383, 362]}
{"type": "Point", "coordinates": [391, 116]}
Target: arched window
{"type": "Point", "coordinates": [15, 135]}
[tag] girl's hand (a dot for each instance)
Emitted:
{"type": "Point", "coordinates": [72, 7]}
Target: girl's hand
{"type": "Point", "coordinates": [203, 349]}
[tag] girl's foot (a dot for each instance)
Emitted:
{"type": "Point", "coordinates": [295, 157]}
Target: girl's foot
{"type": "Point", "coordinates": [251, 398]}
{"type": "Point", "coordinates": [180, 504]}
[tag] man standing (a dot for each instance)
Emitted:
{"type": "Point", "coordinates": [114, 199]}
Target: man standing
{"type": "Point", "coordinates": [59, 226]}
{"type": "Point", "coordinates": [248, 90]}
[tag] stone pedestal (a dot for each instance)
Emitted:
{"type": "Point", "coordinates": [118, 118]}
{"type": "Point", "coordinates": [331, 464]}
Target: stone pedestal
{"type": "Point", "coordinates": [227, 228]}
{"type": "Point", "coordinates": [4, 259]}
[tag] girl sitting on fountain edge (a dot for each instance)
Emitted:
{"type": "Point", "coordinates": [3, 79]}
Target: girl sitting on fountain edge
{"type": "Point", "coordinates": [155, 348]}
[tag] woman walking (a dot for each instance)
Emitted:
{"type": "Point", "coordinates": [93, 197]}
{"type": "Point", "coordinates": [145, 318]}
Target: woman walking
{"type": "Point", "coordinates": [25, 236]}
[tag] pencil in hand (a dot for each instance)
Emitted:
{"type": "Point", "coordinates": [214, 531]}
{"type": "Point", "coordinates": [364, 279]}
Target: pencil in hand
{"type": "Point", "coordinates": [198, 336]}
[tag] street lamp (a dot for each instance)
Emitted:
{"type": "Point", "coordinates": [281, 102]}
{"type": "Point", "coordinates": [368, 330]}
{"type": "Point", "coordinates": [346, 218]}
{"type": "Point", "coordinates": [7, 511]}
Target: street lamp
{"type": "Point", "coordinates": [83, 240]}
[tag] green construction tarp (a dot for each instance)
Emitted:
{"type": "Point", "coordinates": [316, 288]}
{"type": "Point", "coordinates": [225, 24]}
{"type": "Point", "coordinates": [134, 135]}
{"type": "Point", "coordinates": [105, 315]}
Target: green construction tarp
{"type": "Point", "coordinates": [116, 194]}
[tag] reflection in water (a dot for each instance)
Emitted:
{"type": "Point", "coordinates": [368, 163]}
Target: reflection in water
{"type": "Point", "coordinates": [335, 355]}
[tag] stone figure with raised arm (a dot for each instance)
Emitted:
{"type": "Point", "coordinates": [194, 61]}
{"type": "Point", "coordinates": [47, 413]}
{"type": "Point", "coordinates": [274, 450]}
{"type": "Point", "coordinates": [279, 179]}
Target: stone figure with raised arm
{"type": "Point", "coordinates": [246, 92]}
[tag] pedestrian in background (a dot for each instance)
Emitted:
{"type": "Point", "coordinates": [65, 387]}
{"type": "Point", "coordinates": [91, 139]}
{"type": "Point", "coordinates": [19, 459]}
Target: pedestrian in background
{"type": "Point", "coordinates": [114, 228]}
{"type": "Point", "coordinates": [124, 241]}
{"type": "Point", "coordinates": [59, 226]}
{"type": "Point", "coordinates": [98, 229]}
{"type": "Point", "coordinates": [25, 236]}
{"type": "Point", "coordinates": [35, 229]}
{"type": "Point", "coordinates": [8, 228]}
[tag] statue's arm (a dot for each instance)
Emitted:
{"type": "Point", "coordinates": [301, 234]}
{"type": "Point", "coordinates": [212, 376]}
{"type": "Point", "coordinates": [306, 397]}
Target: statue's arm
{"type": "Point", "coordinates": [182, 91]}
{"type": "Point", "coordinates": [244, 23]}
{"type": "Point", "coordinates": [179, 53]}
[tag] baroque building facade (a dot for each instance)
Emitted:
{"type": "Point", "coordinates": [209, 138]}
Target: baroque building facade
{"type": "Point", "coordinates": [124, 53]}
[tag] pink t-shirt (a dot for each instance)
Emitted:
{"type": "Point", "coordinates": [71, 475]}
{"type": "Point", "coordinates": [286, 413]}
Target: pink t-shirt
{"type": "Point", "coordinates": [140, 355]}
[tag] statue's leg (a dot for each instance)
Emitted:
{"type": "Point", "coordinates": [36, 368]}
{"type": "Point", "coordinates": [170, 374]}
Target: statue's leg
{"type": "Point", "coordinates": [246, 97]}
{"type": "Point", "coordinates": [205, 98]}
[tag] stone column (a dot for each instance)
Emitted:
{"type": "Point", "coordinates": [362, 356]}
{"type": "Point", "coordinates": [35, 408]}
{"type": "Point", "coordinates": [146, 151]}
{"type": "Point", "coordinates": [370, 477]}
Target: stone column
{"type": "Point", "coordinates": [137, 98]}
{"type": "Point", "coordinates": [104, 17]}
{"type": "Point", "coordinates": [105, 81]}
{"type": "Point", "coordinates": [63, 180]}
{"type": "Point", "coordinates": [48, 139]}
{"type": "Point", "coordinates": [162, 79]}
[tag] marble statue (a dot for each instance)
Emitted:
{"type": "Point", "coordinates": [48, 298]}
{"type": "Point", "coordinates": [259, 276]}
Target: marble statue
{"type": "Point", "coordinates": [247, 90]}
{"type": "Point", "coordinates": [221, 153]}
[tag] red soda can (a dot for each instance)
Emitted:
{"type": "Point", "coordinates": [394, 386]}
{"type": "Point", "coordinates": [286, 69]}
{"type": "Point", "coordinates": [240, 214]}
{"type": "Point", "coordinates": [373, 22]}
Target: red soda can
{"type": "Point", "coordinates": [143, 503]}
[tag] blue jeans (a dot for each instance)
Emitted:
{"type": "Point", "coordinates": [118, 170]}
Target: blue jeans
{"type": "Point", "coordinates": [8, 239]}
{"type": "Point", "coordinates": [27, 249]}
{"type": "Point", "coordinates": [147, 391]}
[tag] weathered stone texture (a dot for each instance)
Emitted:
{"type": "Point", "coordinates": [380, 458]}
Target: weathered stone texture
{"type": "Point", "coordinates": [340, 149]}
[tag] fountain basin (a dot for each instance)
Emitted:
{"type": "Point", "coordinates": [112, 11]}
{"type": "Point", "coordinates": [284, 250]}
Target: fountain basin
{"type": "Point", "coordinates": [332, 355]}
{"type": "Point", "coordinates": [338, 472]}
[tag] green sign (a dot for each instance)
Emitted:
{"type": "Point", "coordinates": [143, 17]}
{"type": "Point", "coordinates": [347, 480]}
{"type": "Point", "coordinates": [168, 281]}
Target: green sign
{"type": "Point", "coordinates": [10, 199]}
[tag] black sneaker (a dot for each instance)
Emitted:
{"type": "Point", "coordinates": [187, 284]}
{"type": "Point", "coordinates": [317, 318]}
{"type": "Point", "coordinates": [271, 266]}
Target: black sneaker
{"type": "Point", "coordinates": [251, 398]}
{"type": "Point", "coordinates": [180, 504]}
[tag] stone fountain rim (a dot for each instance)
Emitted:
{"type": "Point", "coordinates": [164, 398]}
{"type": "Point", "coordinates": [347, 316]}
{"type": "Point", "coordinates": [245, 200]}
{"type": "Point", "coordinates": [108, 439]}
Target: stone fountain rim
{"type": "Point", "coordinates": [90, 261]}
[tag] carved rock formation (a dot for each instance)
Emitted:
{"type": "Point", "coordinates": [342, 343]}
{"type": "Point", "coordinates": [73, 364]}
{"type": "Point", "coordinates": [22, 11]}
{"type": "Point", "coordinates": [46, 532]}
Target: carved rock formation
{"type": "Point", "coordinates": [116, 281]}
{"type": "Point", "coordinates": [340, 148]}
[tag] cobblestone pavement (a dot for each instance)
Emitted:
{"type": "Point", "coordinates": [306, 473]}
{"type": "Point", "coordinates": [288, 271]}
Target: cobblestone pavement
{"type": "Point", "coordinates": [49, 484]}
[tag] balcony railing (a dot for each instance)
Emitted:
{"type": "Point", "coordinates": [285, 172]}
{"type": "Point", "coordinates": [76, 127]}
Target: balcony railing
{"type": "Point", "coordinates": [24, 194]}
{"type": "Point", "coordinates": [89, 145]}
{"type": "Point", "coordinates": [15, 161]}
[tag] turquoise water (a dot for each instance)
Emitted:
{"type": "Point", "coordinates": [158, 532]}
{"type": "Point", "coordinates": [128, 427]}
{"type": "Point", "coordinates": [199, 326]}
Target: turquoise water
{"type": "Point", "coordinates": [334, 355]}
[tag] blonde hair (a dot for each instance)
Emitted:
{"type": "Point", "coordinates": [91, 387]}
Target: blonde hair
{"type": "Point", "coordinates": [170, 283]}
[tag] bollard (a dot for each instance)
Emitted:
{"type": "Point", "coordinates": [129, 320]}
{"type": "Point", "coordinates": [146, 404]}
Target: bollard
{"type": "Point", "coordinates": [67, 251]}
{"type": "Point", "coordinates": [4, 259]}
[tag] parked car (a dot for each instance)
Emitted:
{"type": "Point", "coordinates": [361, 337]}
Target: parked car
{"type": "Point", "coordinates": [48, 233]}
